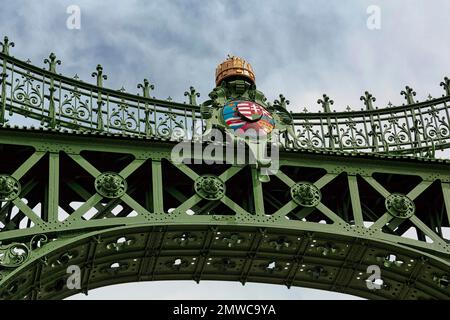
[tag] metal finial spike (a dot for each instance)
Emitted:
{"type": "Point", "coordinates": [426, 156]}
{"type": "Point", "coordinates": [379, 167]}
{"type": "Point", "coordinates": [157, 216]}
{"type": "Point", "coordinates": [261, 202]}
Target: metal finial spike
{"type": "Point", "coordinates": [146, 87]}
{"type": "Point", "coordinates": [368, 98]}
{"type": "Point", "coordinates": [6, 44]}
{"type": "Point", "coordinates": [192, 94]}
{"type": "Point", "coordinates": [52, 62]}
{"type": "Point", "coordinates": [446, 85]}
{"type": "Point", "coordinates": [325, 102]}
{"type": "Point", "coordinates": [409, 94]}
{"type": "Point", "coordinates": [99, 75]}
{"type": "Point", "coordinates": [283, 102]}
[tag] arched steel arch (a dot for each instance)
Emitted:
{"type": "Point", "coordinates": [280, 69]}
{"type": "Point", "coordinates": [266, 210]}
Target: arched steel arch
{"type": "Point", "coordinates": [93, 185]}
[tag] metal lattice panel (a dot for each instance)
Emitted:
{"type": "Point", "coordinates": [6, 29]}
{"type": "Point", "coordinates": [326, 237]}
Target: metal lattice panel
{"type": "Point", "coordinates": [161, 228]}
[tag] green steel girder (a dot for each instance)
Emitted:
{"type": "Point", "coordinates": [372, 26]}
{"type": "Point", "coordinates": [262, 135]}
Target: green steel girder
{"type": "Point", "coordinates": [107, 197]}
{"type": "Point", "coordinates": [162, 229]}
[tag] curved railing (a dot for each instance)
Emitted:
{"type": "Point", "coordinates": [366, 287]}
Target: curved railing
{"type": "Point", "coordinates": [418, 128]}
{"type": "Point", "coordinates": [34, 96]}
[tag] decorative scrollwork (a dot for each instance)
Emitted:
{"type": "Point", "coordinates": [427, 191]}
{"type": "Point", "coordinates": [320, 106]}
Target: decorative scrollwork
{"type": "Point", "coordinates": [400, 206]}
{"type": "Point", "coordinates": [280, 243]}
{"type": "Point", "coordinates": [184, 239]}
{"type": "Point", "coordinates": [390, 260]}
{"type": "Point", "coordinates": [15, 254]}
{"type": "Point", "coordinates": [110, 185]}
{"type": "Point", "coordinates": [306, 194]}
{"type": "Point", "coordinates": [9, 188]}
{"type": "Point", "coordinates": [75, 108]}
{"type": "Point", "coordinates": [353, 137]}
{"type": "Point", "coordinates": [232, 240]}
{"type": "Point", "coordinates": [209, 187]}
{"type": "Point", "coordinates": [122, 118]}
{"type": "Point", "coordinates": [27, 94]}
{"type": "Point", "coordinates": [436, 127]}
{"type": "Point", "coordinates": [417, 129]}
{"type": "Point", "coordinates": [169, 124]}
{"type": "Point", "coordinates": [120, 244]}
{"type": "Point", "coordinates": [309, 138]}
{"type": "Point", "coordinates": [327, 249]}
{"type": "Point", "coordinates": [395, 133]}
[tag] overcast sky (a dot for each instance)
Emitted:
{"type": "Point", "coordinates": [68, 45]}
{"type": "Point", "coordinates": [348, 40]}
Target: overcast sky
{"type": "Point", "coordinates": [299, 48]}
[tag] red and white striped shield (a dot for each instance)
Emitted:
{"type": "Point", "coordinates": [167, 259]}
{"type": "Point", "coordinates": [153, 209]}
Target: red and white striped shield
{"type": "Point", "coordinates": [251, 111]}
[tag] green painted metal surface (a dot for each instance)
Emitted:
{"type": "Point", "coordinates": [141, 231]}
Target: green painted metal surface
{"type": "Point", "coordinates": [93, 185]}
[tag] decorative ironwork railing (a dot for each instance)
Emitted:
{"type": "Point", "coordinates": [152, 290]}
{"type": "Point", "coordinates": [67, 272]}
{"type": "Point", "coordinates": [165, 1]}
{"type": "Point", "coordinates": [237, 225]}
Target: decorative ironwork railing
{"type": "Point", "coordinates": [56, 101]}
{"type": "Point", "coordinates": [418, 128]}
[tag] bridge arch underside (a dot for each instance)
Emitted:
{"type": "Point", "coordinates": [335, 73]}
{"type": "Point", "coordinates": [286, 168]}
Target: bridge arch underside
{"type": "Point", "coordinates": [152, 254]}
{"type": "Point", "coordinates": [122, 211]}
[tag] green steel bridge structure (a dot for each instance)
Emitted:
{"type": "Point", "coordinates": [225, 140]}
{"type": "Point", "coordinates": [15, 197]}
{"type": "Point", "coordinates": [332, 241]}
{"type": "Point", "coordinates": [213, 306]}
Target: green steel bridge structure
{"type": "Point", "coordinates": [87, 180]}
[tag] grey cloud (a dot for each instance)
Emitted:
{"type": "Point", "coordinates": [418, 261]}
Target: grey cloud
{"type": "Point", "coordinates": [299, 48]}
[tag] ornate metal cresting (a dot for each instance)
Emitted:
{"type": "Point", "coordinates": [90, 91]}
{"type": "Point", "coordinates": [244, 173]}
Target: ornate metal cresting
{"type": "Point", "coordinates": [88, 181]}
{"type": "Point", "coordinates": [56, 101]}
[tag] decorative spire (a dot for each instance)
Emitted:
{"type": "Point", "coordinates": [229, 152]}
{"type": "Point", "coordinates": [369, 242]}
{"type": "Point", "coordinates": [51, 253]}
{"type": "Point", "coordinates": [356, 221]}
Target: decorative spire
{"type": "Point", "coordinates": [6, 45]}
{"type": "Point", "coordinates": [325, 102]}
{"type": "Point", "coordinates": [283, 103]}
{"type": "Point", "coordinates": [52, 62]}
{"type": "Point", "coordinates": [446, 85]}
{"type": "Point", "coordinates": [409, 94]}
{"type": "Point", "coordinates": [192, 94]}
{"type": "Point", "coordinates": [368, 99]}
{"type": "Point", "coordinates": [146, 87]}
{"type": "Point", "coordinates": [100, 76]}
